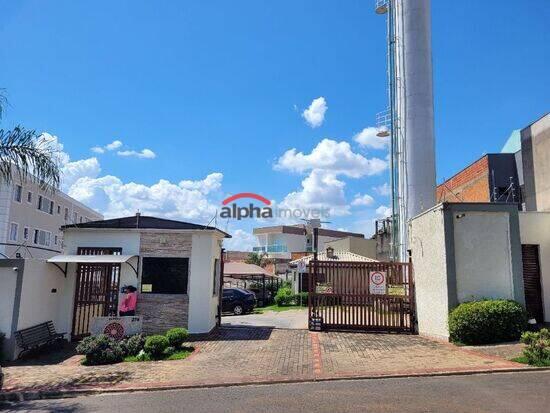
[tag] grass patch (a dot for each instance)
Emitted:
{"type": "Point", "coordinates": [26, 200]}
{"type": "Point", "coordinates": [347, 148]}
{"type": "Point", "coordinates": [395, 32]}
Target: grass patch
{"type": "Point", "coordinates": [278, 309]}
{"type": "Point", "coordinates": [523, 360]}
{"type": "Point", "coordinates": [178, 355]}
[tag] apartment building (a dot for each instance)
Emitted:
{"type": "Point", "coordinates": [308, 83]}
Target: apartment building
{"type": "Point", "coordinates": [31, 218]}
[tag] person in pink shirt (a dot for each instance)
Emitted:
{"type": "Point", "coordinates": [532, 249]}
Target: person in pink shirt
{"type": "Point", "coordinates": [127, 306]}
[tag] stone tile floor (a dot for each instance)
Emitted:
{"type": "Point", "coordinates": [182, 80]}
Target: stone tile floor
{"type": "Point", "coordinates": [256, 354]}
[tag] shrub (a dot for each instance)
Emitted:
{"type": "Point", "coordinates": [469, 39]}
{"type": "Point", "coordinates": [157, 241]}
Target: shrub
{"type": "Point", "coordinates": [100, 349]}
{"type": "Point", "coordinates": [302, 296]}
{"type": "Point", "coordinates": [177, 336]}
{"type": "Point", "coordinates": [132, 345]}
{"type": "Point", "coordinates": [487, 321]}
{"type": "Point", "coordinates": [537, 351]}
{"type": "Point", "coordinates": [155, 345]}
{"type": "Point", "coordinates": [143, 356]}
{"type": "Point", "coordinates": [168, 351]}
{"type": "Point", "coordinates": [284, 297]}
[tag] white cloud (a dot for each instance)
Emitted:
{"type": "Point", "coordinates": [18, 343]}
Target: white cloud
{"type": "Point", "coordinates": [241, 241]}
{"type": "Point", "coordinates": [367, 138]}
{"type": "Point", "coordinates": [329, 155]}
{"type": "Point", "coordinates": [73, 171]}
{"type": "Point", "coordinates": [315, 114]}
{"type": "Point", "coordinates": [211, 183]}
{"type": "Point", "coordinates": [383, 189]}
{"type": "Point", "coordinates": [97, 149]}
{"type": "Point", "coordinates": [144, 154]}
{"type": "Point", "coordinates": [362, 200]}
{"type": "Point", "coordinates": [113, 145]}
{"type": "Point", "coordinates": [383, 211]}
{"type": "Point", "coordinates": [320, 189]}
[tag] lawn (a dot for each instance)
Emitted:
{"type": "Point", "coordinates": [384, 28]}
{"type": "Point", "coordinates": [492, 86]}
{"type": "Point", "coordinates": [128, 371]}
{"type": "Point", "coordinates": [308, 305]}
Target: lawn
{"type": "Point", "coordinates": [278, 309]}
{"type": "Point", "coordinates": [523, 359]}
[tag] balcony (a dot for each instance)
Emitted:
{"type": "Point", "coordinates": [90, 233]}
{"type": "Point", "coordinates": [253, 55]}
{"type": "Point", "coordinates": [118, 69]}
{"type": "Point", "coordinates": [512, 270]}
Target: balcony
{"type": "Point", "coordinates": [271, 248]}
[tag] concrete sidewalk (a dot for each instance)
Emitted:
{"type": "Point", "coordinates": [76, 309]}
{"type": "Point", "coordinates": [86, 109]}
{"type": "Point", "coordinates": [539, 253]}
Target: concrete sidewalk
{"type": "Point", "coordinates": [262, 355]}
{"type": "Point", "coordinates": [290, 319]}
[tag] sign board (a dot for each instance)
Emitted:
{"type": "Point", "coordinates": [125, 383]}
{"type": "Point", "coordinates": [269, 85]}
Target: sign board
{"type": "Point", "coordinates": [396, 289]}
{"type": "Point", "coordinates": [146, 288]}
{"type": "Point", "coordinates": [377, 282]}
{"type": "Point", "coordinates": [116, 327]}
{"type": "Point", "coordinates": [323, 288]}
{"type": "Point", "coordinates": [301, 266]}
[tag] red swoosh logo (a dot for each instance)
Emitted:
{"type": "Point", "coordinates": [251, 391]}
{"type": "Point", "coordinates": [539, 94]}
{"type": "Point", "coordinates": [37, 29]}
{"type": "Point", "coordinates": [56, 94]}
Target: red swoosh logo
{"type": "Point", "coordinates": [246, 195]}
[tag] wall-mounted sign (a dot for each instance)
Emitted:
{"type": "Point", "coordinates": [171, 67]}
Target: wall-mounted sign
{"type": "Point", "coordinates": [377, 282]}
{"type": "Point", "coordinates": [116, 327]}
{"type": "Point", "coordinates": [146, 288]}
{"type": "Point", "coordinates": [301, 266]}
{"type": "Point", "coordinates": [323, 288]}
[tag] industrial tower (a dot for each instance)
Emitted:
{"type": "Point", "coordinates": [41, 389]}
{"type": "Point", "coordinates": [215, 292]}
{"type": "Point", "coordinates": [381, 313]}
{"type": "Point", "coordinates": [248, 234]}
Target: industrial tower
{"type": "Point", "coordinates": [409, 120]}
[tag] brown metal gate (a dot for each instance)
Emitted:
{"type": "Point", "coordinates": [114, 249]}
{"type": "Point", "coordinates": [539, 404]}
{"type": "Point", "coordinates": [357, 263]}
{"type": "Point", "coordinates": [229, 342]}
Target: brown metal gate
{"type": "Point", "coordinates": [343, 296]}
{"type": "Point", "coordinates": [96, 293]}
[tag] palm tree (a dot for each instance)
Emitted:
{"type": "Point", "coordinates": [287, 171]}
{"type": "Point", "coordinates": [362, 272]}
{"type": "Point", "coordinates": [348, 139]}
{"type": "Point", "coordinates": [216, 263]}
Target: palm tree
{"type": "Point", "coordinates": [22, 151]}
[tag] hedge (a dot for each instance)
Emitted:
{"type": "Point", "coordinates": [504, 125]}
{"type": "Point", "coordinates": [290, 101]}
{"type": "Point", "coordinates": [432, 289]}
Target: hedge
{"type": "Point", "coordinates": [487, 321]}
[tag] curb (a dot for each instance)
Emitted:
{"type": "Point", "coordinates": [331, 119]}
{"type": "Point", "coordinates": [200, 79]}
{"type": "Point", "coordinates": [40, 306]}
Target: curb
{"type": "Point", "coordinates": [19, 396]}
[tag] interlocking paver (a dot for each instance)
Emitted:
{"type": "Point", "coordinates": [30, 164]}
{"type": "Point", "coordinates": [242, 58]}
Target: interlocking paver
{"type": "Point", "coordinates": [248, 355]}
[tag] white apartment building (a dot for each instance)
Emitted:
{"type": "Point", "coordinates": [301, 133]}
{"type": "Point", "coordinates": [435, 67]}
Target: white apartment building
{"type": "Point", "coordinates": [282, 240]}
{"type": "Point", "coordinates": [31, 218]}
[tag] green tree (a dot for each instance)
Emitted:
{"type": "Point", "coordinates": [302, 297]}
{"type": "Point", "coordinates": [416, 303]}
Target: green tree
{"type": "Point", "coordinates": [256, 259]}
{"type": "Point", "coordinates": [23, 151]}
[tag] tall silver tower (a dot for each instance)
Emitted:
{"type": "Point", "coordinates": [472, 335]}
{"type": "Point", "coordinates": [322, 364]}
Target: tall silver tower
{"type": "Point", "coordinates": [411, 118]}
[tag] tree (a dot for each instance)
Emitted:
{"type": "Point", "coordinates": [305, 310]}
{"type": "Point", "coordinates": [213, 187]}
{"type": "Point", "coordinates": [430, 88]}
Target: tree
{"type": "Point", "coordinates": [256, 259]}
{"type": "Point", "coordinates": [22, 151]}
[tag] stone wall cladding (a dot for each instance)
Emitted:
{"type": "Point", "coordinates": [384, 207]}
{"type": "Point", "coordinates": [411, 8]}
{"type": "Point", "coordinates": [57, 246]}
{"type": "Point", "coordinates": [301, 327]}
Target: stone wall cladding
{"type": "Point", "coordinates": [161, 312]}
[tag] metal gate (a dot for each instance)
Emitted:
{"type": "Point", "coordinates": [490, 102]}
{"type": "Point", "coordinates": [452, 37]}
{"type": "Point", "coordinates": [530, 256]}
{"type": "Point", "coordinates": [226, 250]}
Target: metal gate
{"type": "Point", "coordinates": [367, 296]}
{"type": "Point", "coordinates": [96, 293]}
{"type": "Point", "coordinates": [531, 282]}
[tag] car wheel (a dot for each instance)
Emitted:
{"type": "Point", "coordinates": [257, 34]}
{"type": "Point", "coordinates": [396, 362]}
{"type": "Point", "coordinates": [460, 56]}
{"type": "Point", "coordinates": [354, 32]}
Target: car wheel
{"type": "Point", "coordinates": [238, 309]}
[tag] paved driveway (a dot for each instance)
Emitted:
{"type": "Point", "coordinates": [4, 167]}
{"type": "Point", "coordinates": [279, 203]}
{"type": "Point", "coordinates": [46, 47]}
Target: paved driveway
{"type": "Point", "coordinates": [291, 319]}
{"type": "Point", "coordinates": [263, 355]}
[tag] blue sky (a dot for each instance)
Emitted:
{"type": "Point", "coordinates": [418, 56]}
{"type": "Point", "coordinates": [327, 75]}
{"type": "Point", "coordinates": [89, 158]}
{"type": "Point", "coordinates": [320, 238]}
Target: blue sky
{"type": "Point", "coordinates": [216, 90]}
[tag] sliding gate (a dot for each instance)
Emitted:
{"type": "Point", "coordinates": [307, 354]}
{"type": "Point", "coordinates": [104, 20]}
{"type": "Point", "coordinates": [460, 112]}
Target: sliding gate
{"type": "Point", "coordinates": [366, 296]}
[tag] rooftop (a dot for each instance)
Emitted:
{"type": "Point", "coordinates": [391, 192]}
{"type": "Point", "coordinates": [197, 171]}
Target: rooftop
{"type": "Point", "coordinates": [300, 229]}
{"type": "Point", "coordinates": [143, 222]}
{"type": "Point", "coordinates": [344, 256]}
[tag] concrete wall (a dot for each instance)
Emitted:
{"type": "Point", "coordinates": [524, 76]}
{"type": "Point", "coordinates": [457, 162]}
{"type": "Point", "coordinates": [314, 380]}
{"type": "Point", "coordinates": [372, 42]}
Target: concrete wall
{"type": "Point", "coordinates": [429, 257]}
{"type": "Point", "coordinates": [535, 146]}
{"type": "Point", "coordinates": [361, 246]}
{"type": "Point", "coordinates": [11, 277]}
{"type": "Point", "coordinates": [535, 229]}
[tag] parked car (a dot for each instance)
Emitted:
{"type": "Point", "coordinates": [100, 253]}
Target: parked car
{"type": "Point", "coordinates": [238, 301]}
{"type": "Point", "coordinates": [259, 293]}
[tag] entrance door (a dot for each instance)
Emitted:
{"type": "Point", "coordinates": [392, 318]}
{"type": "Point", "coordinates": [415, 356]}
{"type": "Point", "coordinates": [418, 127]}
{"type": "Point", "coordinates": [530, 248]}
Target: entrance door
{"type": "Point", "coordinates": [96, 293]}
{"type": "Point", "coordinates": [367, 296]}
{"type": "Point", "coordinates": [531, 282]}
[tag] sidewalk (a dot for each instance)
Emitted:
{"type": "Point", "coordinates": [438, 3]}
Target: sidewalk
{"type": "Point", "coordinates": [262, 355]}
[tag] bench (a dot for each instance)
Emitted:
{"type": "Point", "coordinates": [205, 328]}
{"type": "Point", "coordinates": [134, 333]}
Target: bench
{"type": "Point", "coordinates": [38, 336]}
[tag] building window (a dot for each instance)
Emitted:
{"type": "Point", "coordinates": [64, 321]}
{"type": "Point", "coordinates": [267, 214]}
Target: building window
{"type": "Point", "coordinates": [26, 233]}
{"type": "Point", "coordinates": [164, 275]}
{"type": "Point", "coordinates": [81, 220]}
{"type": "Point", "coordinates": [216, 283]}
{"type": "Point", "coordinates": [29, 197]}
{"type": "Point", "coordinates": [58, 209]}
{"type": "Point", "coordinates": [55, 239]}
{"type": "Point", "coordinates": [42, 237]}
{"type": "Point", "coordinates": [13, 231]}
{"type": "Point", "coordinates": [17, 193]}
{"type": "Point", "coordinates": [75, 217]}
{"type": "Point", "coordinates": [45, 204]}
{"type": "Point", "coordinates": [66, 214]}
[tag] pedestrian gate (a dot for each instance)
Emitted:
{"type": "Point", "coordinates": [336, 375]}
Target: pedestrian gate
{"type": "Point", "coordinates": [367, 296]}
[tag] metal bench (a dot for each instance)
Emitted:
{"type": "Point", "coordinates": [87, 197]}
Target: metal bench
{"type": "Point", "coordinates": [38, 336]}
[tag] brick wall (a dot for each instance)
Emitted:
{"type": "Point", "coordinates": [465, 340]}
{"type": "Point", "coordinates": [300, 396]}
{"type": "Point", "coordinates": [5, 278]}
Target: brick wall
{"type": "Point", "coordinates": [161, 312]}
{"type": "Point", "coordinates": [469, 185]}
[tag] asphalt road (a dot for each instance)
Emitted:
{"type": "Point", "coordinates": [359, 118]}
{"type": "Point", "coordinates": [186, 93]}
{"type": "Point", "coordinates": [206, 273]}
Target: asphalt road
{"type": "Point", "coordinates": [505, 392]}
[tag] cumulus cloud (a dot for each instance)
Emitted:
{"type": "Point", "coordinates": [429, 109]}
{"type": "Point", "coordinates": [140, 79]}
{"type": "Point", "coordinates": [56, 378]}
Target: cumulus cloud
{"type": "Point", "coordinates": [336, 157]}
{"type": "Point", "coordinates": [362, 200]}
{"type": "Point", "coordinates": [209, 184]}
{"type": "Point", "coordinates": [315, 114]}
{"type": "Point", "coordinates": [143, 154]}
{"type": "Point", "coordinates": [241, 241]}
{"type": "Point", "coordinates": [109, 147]}
{"type": "Point", "coordinates": [383, 211]}
{"type": "Point", "coordinates": [384, 189]}
{"type": "Point", "coordinates": [368, 139]}
{"type": "Point", "coordinates": [320, 189]}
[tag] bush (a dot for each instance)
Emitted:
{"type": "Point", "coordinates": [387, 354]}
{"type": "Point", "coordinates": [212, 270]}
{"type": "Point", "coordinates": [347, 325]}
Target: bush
{"type": "Point", "coordinates": [284, 297]}
{"type": "Point", "coordinates": [168, 351]}
{"type": "Point", "coordinates": [487, 321]}
{"type": "Point", "coordinates": [100, 349]}
{"type": "Point", "coordinates": [132, 345]}
{"type": "Point", "coordinates": [155, 345]}
{"type": "Point", "coordinates": [537, 351]}
{"type": "Point", "coordinates": [302, 296]}
{"type": "Point", "coordinates": [176, 336]}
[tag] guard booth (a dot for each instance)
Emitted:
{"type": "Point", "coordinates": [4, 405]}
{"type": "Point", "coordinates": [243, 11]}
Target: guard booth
{"type": "Point", "coordinates": [361, 296]}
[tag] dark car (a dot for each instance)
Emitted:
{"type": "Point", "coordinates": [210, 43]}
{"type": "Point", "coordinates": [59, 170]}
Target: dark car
{"type": "Point", "coordinates": [238, 301]}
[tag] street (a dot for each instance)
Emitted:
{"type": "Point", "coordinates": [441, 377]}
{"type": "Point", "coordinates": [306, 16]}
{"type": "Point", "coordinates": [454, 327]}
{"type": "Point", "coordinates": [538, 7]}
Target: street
{"type": "Point", "coordinates": [503, 392]}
